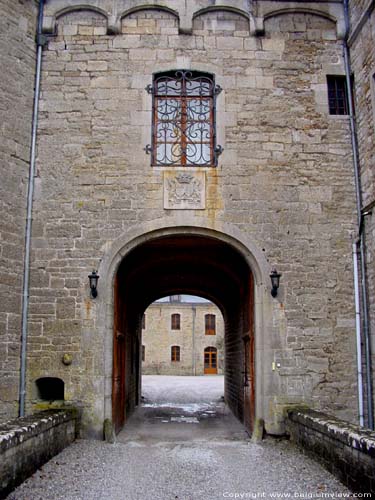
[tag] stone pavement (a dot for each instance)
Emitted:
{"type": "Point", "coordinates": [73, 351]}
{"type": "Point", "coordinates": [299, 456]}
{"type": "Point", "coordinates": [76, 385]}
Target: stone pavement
{"type": "Point", "coordinates": [164, 388]}
{"type": "Point", "coordinates": [180, 449]}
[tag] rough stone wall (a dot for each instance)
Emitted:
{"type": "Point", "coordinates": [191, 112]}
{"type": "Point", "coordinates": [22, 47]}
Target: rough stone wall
{"type": "Point", "coordinates": [158, 337]}
{"type": "Point", "coordinates": [285, 180]}
{"type": "Point", "coordinates": [17, 62]}
{"type": "Point", "coordinates": [363, 66]}
{"type": "Point", "coordinates": [370, 272]}
{"type": "Point", "coordinates": [347, 451]}
{"type": "Point", "coordinates": [27, 443]}
{"type": "Point", "coordinates": [362, 53]}
{"type": "Point", "coordinates": [356, 9]}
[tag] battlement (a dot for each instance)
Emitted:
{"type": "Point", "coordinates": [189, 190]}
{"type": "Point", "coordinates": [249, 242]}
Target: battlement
{"type": "Point", "coordinates": [255, 11]}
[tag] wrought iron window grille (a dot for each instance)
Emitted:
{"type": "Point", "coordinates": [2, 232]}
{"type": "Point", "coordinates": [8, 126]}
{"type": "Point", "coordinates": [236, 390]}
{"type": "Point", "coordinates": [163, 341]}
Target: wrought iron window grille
{"type": "Point", "coordinates": [183, 119]}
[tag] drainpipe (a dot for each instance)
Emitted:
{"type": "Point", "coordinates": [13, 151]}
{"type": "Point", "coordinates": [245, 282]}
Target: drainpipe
{"type": "Point", "coordinates": [26, 273]}
{"type": "Point", "coordinates": [194, 310]}
{"type": "Point", "coordinates": [358, 336]}
{"type": "Point", "coordinates": [360, 216]}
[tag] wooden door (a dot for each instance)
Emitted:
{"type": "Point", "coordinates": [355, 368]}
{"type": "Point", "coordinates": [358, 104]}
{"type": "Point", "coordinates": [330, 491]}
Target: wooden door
{"type": "Point", "coordinates": [210, 361]}
{"type": "Point", "coordinates": [118, 376]}
{"type": "Point", "coordinates": [248, 369]}
{"type": "Point", "coordinates": [248, 382]}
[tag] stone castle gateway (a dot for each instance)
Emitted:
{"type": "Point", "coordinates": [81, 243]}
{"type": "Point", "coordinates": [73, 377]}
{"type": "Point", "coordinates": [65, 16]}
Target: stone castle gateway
{"type": "Point", "coordinates": [186, 147]}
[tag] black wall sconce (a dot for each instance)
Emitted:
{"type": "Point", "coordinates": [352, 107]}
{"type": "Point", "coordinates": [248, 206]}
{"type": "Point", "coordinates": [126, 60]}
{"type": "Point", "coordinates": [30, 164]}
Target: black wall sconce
{"type": "Point", "coordinates": [275, 281]}
{"type": "Point", "coordinates": [93, 278]}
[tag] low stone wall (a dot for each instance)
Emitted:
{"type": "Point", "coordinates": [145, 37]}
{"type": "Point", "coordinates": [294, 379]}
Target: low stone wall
{"type": "Point", "coordinates": [27, 443]}
{"type": "Point", "coordinates": [346, 450]}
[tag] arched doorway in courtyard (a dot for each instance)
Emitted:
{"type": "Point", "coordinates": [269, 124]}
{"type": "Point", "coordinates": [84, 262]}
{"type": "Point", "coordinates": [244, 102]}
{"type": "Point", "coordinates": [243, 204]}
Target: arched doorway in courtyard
{"type": "Point", "coordinates": [184, 264]}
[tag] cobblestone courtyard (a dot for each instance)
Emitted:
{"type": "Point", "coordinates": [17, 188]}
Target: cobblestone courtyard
{"type": "Point", "coordinates": [185, 446]}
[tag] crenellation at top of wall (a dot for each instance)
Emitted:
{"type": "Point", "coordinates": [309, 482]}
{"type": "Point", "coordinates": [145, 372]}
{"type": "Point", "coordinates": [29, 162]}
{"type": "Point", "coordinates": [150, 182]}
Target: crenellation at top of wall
{"type": "Point", "coordinates": [254, 11]}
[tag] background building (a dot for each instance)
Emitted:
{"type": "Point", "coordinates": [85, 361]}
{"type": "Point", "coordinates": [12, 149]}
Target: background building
{"type": "Point", "coordinates": [182, 338]}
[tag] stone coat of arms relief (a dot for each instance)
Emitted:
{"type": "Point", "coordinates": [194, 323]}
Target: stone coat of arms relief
{"type": "Point", "coordinates": [184, 190]}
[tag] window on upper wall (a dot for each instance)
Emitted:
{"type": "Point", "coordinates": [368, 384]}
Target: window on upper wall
{"type": "Point", "coordinates": [143, 322]}
{"type": "Point", "coordinates": [337, 95]}
{"type": "Point", "coordinates": [183, 119]}
{"type": "Point", "coordinates": [175, 353]}
{"type": "Point", "coordinates": [175, 322]}
{"type": "Point", "coordinates": [143, 353]}
{"type": "Point", "coordinates": [210, 324]}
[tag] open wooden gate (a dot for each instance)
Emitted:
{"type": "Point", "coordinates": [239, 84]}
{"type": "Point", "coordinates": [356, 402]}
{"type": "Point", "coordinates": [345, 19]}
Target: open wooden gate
{"type": "Point", "coordinates": [248, 370]}
{"type": "Point", "coordinates": [118, 376]}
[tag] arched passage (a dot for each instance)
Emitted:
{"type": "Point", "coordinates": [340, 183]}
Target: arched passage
{"type": "Point", "coordinates": [184, 264]}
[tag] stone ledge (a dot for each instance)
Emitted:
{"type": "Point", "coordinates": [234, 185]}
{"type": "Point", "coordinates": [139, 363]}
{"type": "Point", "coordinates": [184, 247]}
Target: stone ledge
{"type": "Point", "coordinates": [21, 429]}
{"type": "Point", "coordinates": [29, 442]}
{"type": "Point", "coordinates": [351, 435]}
{"type": "Point", "coordinates": [345, 449]}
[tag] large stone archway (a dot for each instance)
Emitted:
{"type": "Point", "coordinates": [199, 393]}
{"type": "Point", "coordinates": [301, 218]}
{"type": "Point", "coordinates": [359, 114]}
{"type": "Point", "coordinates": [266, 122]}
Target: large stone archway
{"type": "Point", "coordinates": [195, 260]}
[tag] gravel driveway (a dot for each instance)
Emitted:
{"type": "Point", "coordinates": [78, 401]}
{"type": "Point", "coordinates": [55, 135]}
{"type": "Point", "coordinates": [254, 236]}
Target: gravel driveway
{"type": "Point", "coordinates": [180, 450]}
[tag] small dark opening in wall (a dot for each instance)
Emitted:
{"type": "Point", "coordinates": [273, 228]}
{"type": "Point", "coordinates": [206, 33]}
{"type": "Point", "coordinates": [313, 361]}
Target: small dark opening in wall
{"type": "Point", "coordinates": [50, 388]}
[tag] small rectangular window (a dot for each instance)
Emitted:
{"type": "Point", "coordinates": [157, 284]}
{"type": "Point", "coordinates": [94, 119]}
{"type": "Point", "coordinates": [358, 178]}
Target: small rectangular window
{"type": "Point", "coordinates": [210, 324]}
{"type": "Point", "coordinates": [176, 322]}
{"type": "Point", "coordinates": [337, 95]}
{"type": "Point", "coordinates": [143, 353]}
{"type": "Point", "coordinates": [143, 322]}
{"type": "Point", "coordinates": [175, 353]}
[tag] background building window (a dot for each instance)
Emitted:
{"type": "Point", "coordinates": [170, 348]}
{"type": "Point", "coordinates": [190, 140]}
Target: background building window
{"type": "Point", "coordinates": [143, 322]}
{"type": "Point", "coordinates": [337, 95]}
{"type": "Point", "coordinates": [175, 353]}
{"type": "Point", "coordinates": [184, 119]}
{"type": "Point", "coordinates": [175, 322]}
{"type": "Point", "coordinates": [210, 324]}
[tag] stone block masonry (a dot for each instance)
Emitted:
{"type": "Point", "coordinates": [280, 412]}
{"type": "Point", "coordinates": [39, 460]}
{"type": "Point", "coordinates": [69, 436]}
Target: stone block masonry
{"type": "Point", "coordinates": [283, 181]}
{"type": "Point", "coordinates": [283, 187]}
{"type": "Point", "coordinates": [29, 442]}
{"type": "Point", "coordinates": [17, 63]}
{"type": "Point", "coordinates": [346, 450]}
{"type": "Point", "coordinates": [362, 54]}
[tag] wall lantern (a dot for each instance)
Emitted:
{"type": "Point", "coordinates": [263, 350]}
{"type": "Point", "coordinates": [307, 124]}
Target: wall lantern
{"type": "Point", "coordinates": [93, 278]}
{"type": "Point", "coordinates": [275, 281]}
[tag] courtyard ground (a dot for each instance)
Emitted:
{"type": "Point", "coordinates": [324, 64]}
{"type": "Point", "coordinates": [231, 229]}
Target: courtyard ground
{"type": "Point", "coordinates": [182, 443]}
